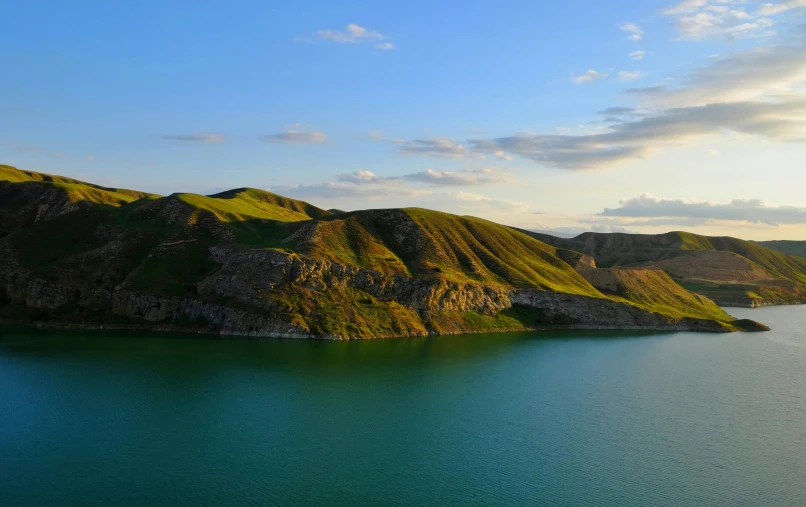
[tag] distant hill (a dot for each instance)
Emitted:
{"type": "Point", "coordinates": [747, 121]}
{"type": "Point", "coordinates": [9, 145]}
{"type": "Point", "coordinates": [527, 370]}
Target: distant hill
{"type": "Point", "coordinates": [797, 248]}
{"type": "Point", "coordinates": [731, 271]}
{"type": "Point", "coordinates": [27, 196]}
{"type": "Point", "coordinates": [249, 262]}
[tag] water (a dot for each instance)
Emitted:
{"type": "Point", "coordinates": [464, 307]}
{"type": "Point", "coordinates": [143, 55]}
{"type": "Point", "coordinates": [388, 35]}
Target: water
{"type": "Point", "coordinates": [623, 419]}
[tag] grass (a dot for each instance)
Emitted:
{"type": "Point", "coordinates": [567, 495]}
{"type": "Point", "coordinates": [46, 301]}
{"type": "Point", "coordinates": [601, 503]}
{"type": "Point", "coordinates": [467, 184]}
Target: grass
{"type": "Point", "coordinates": [161, 245]}
{"type": "Point", "coordinates": [643, 249]}
{"type": "Point", "coordinates": [346, 312]}
{"type": "Point", "coordinates": [246, 205]}
{"type": "Point", "coordinates": [797, 248]}
{"type": "Point", "coordinates": [419, 242]}
{"type": "Point", "coordinates": [656, 291]}
{"type": "Point", "coordinates": [75, 190]}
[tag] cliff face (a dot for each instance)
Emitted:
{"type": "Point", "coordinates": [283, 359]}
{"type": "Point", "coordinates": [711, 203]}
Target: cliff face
{"type": "Point", "coordinates": [247, 262]}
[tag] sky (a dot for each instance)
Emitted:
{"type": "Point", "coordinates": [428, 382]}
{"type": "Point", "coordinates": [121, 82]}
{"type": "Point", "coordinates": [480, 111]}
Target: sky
{"type": "Point", "coordinates": [617, 116]}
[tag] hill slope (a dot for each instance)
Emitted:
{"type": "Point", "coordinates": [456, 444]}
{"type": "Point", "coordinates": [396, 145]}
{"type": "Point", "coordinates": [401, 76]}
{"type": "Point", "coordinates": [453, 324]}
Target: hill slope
{"type": "Point", "coordinates": [250, 262]}
{"type": "Point", "coordinates": [731, 271]}
{"type": "Point", "coordinates": [27, 197]}
{"type": "Point", "coordinates": [797, 248]}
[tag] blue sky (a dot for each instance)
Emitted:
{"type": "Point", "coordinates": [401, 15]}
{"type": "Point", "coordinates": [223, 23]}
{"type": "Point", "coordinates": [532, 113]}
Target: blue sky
{"type": "Point", "coordinates": [483, 108]}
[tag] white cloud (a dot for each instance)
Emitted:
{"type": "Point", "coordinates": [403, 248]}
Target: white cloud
{"type": "Point", "coordinates": [757, 92]}
{"type": "Point", "coordinates": [784, 120]}
{"type": "Point", "coordinates": [630, 75]}
{"type": "Point", "coordinates": [637, 55]}
{"type": "Point", "coordinates": [742, 75]}
{"type": "Point", "coordinates": [362, 176]}
{"type": "Point", "coordinates": [672, 211]}
{"type": "Point", "coordinates": [353, 34]}
{"type": "Point", "coordinates": [701, 19]}
{"type": "Point", "coordinates": [90, 158]}
{"type": "Point", "coordinates": [685, 7]}
{"type": "Point", "coordinates": [463, 177]}
{"type": "Point", "coordinates": [588, 77]}
{"type": "Point", "coordinates": [770, 9]}
{"type": "Point", "coordinates": [468, 177]}
{"type": "Point", "coordinates": [200, 138]}
{"type": "Point", "coordinates": [501, 204]}
{"type": "Point", "coordinates": [445, 147]}
{"type": "Point", "coordinates": [434, 147]}
{"type": "Point", "coordinates": [635, 33]}
{"type": "Point", "coordinates": [296, 137]}
{"type": "Point", "coordinates": [342, 190]}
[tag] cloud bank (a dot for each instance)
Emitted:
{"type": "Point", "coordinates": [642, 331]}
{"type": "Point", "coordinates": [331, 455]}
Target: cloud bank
{"type": "Point", "coordinates": [685, 212]}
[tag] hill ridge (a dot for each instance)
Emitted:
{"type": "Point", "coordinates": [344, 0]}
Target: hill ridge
{"type": "Point", "coordinates": [247, 261]}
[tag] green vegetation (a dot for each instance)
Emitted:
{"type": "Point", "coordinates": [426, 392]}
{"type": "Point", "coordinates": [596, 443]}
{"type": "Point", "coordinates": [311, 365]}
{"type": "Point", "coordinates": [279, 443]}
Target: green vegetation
{"type": "Point", "coordinates": [655, 291]}
{"type": "Point", "coordinates": [346, 312]}
{"type": "Point", "coordinates": [731, 271]}
{"type": "Point", "coordinates": [250, 203]}
{"type": "Point", "coordinates": [90, 240]}
{"type": "Point", "coordinates": [74, 190]}
{"type": "Point", "coordinates": [797, 248]}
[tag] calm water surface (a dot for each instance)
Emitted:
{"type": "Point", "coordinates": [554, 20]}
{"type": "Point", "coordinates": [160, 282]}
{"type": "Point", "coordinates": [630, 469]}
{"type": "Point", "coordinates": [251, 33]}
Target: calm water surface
{"type": "Point", "coordinates": [616, 419]}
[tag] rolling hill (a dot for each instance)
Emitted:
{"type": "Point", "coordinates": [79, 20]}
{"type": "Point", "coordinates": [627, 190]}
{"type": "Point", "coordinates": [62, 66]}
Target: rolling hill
{"type": "Point", "coordinates": [249, 262]}
{"type": "Point", "coordinates": [731, 271]}
{"type": "Point", "coordinates": [797, 248]}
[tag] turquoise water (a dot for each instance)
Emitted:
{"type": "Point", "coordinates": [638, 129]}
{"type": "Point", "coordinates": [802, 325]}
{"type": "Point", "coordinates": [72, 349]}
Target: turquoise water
{"type": "Point", "coordinates": [622, 419]}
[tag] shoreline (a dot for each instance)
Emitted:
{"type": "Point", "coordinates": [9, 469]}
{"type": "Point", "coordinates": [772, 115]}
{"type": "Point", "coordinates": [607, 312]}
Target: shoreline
{"type": "Point", "coordinates": [227, 335]}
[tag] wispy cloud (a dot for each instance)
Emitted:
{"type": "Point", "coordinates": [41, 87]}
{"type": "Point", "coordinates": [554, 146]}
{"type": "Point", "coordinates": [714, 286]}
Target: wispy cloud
{"type": "Point", "coordinates": [701, 19]}
{"type": "Point", "coordinates": [589, 77]}
{"type": "Point", "coordinates": [772, 9]}
{"type": "Point", "coordinates": [342, 190]}
{"type": "Point", "coordinates": [434, 147]}
{"type": "Point", "coordinates": [630, 75]}
{"type": "Point", "coordinates": [756, 92]}
{"type": "Point", "coordinates": [445, 147]}
{"type": "Point", "coordinates": [634, 31]}
{"type": "Point", "coordinates": [463, 177]}
{"type": "Point", "coordinates": [637, 55]}
{"type": "Point", "coordinates": [467, 177]}
{"type": "Point", "coordinates": [353, 34]}
{"type": "Point", "coordinates": [742, 75]}
{"type": "Point", "coordinates": [501, 204]}
{"type": "Point", "coordinates": [668, 211]}
{"type": "Point", "coordinates": [296, 137]}
{"type": "Point", "coordinates": [208, 137]}
{"type": "Point", "coordinates": [631, 139]}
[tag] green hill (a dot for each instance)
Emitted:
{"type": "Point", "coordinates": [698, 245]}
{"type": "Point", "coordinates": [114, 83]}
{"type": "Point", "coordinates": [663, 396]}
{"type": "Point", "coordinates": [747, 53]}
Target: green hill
{"type": "Point", "coordinates": [27, 197]}
{"type": "Point", "coordinates": [797, 248]}
{"type": "Point", "coordinates": [251, 262]}
{"type": "Point", "coordinates": [729, 270]}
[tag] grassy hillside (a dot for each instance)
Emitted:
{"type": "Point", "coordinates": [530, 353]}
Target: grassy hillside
{"type": "Point", "coordinates": [421, 242]}
{"type": "Point", "coordinates": [654, 290]}
{"type": "Point", "coordinates": [797, 248]}
{"type": "Point", "coordinates": [74, 190]}
{"type": "Point", "coordinates": [727, 269]}
{"type": "Point", "coordinates": [451, 272]}
{"type": "Point", "coordinates": [27, 197]}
